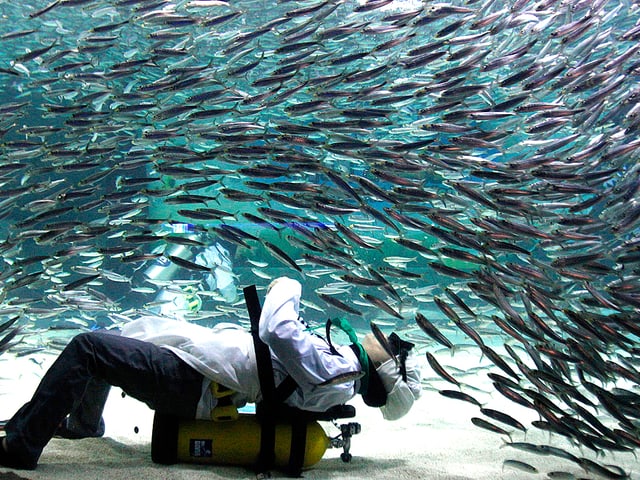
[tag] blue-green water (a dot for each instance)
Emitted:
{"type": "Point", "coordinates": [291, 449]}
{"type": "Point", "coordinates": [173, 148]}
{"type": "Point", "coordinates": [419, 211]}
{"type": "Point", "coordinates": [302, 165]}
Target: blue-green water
{"type": "Point", "coordinates": [396, 157]}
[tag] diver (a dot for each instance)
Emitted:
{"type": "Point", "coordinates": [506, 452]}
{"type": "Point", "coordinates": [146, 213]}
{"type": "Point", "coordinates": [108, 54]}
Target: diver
{"type": "Point", "coordinates": [171, 366]}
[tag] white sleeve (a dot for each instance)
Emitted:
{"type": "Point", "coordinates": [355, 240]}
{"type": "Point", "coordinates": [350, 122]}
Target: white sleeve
{"type": "Point", "coordinates": [306, 357]}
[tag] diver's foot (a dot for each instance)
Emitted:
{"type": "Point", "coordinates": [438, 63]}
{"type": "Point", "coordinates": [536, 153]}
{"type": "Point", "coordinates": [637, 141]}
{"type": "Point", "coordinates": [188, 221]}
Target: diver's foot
{"type": "Point", "coordinates": [64, 431]}
{"type": "Point", "coordinates": [13, 461]}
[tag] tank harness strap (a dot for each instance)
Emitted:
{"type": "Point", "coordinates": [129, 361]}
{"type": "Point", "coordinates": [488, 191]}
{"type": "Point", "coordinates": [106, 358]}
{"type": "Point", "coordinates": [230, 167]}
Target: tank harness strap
{"type": "Point", "coordinates": [298, 447]}
{"type": "Point", "coordinates": [272, 407]}
{"type": "Point", "coordinates": [265, 408]}
{"type": "Point", "coordinates": [285, 389]}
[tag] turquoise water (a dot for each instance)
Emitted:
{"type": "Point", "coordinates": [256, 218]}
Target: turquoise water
{"type": "Point", "coordinates": [473, 162]}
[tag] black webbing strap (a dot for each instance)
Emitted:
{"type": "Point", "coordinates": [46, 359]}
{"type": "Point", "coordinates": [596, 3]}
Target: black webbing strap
{"type": "Point", "coordinates": [285, 389]}
{"type": "Point", "coordinates": [265, 408]}
{"type": "Point", "coordinates": [298, 446]}
{"type": "Point", "coordinates": [271, 409]}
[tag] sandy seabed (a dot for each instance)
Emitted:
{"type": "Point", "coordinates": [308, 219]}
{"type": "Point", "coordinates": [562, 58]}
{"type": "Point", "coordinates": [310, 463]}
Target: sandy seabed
{"type": "Point", "coordinates": [436, 440]}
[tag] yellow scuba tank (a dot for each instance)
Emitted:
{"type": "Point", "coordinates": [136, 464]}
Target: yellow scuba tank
{"type": "Point", "coordinates": [235, 442]}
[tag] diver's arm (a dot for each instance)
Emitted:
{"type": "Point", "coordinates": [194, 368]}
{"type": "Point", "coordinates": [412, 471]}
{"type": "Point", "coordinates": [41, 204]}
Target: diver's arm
{"type": "Point", "coordinates": [307, 359]}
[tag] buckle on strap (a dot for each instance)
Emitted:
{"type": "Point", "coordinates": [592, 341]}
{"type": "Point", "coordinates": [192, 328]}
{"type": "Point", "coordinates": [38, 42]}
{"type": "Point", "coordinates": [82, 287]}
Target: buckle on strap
{"type": "Point", "coordinates": [225, 410]}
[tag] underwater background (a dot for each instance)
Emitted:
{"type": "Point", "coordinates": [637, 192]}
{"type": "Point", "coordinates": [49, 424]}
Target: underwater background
{"type": "Point", "coordinates": [463, 173]}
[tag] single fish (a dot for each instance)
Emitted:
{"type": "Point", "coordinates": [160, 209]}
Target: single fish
{"type": "Point", "coordinates": [503, 418]}
{"type": "Point", "coordinates": [377, 302]}
{"type": "Point", "coordinates": [342, 378]}
{"type": "Point", "coordinates": [8, 323]}
{"type": "Point", "coordinates": [519, 465]}
{"type": "Point", "coordinates": [383, 341]}
{"type": "Point", "coordinates": [80, 282]}
{"type": "Point", "coordinates": [5, 342]}
{"type": "Point", "coordinates": [189, 265]}
{"type": "Point", "coordinates": [455, 394]}
{"type": "Point", "coordinates": [439, 369]}
{"type": "Point", "coordinates": [339, 304]}
{"type": "Point", "coordinates": [431, 330]}
{"type": "Point", "coordinates": [281, 255]}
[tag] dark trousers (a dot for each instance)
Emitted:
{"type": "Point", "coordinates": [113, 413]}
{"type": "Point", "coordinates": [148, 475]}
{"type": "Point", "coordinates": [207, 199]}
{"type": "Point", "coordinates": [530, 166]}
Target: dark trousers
{"type": "Point", "coordinates": [78, 382]}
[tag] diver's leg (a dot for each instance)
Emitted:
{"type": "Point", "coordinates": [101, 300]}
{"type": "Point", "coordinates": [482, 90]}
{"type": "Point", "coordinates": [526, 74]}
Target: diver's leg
{"type": "Point", "coordinates": [85, 419]}
{"type": "Point", "coordinates": [144, 371]}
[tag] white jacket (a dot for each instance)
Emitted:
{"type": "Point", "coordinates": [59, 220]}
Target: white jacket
{"type": "Point", "coordinates": [225, 353]}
